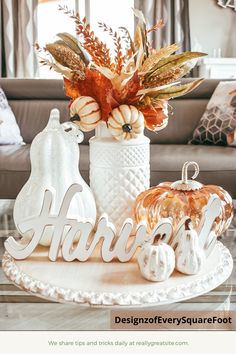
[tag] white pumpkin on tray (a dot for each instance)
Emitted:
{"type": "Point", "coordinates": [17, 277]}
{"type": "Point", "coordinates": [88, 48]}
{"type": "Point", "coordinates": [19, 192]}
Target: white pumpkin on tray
{"type": "Point", "coordinates": [156, 260]}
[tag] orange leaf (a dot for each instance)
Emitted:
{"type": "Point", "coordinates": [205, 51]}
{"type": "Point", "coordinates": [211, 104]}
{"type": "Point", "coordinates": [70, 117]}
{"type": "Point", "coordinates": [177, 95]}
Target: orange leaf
{"type": "Point", "coordinates": [156, 118]}
{"type": "Point", "coordinates": [71, 89]}
{"type": "Point", "coordinates": [99, 87]}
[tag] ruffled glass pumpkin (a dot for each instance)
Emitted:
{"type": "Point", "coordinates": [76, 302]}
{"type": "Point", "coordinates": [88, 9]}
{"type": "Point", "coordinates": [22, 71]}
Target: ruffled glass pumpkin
{"type": "Point", "coordinates": [182, 198]}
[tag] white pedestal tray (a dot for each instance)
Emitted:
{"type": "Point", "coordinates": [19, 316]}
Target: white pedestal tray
{"type": "Point", "coordinates": [112, 284]}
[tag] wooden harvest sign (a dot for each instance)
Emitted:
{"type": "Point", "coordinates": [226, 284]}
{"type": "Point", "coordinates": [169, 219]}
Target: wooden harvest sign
{"type": "Point", "coordinates": [114, 245]}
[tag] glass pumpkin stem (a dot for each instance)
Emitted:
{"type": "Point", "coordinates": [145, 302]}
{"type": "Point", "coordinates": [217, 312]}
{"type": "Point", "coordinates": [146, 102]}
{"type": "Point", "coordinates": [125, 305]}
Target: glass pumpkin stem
{"type": "Point", "coordinates": [185, 171]}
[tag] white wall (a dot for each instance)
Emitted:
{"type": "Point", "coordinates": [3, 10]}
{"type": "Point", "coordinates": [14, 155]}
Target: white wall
{"type": "Point", "coordinates": [212, 26]}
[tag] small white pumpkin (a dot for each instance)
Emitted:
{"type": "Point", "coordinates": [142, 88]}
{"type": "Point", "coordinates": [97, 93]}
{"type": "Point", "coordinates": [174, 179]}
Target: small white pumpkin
{"type": "Point", "coordinates": [157, 260]}
{"type": "Point", "coordinates": [190, 257]}
{"type": "Point", "coordinates": [126, 122]}
{"type": "Point", "coordinates": [85, 112]}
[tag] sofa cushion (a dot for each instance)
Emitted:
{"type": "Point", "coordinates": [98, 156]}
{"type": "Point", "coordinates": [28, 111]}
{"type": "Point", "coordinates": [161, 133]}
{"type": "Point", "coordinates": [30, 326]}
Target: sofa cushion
{"type": "Point", "coordinates": [217, 164]}
{"type": "Point", "coordinates": [209, 158]}
{"type": "Point", "coordinates": [32, 100]}
{"type": "Point", "coordinates": [166, 164]}
{"type": "Point", "coordinates": [32, 115]}
{"type": "Point", "coordinates": [170, 158]}
{"type": "Point", "coordinates": [184, 116]}
{"type": "Point", "coordinates": [179, 130]}
{"type": "Point", "coordinates": [14, 158]}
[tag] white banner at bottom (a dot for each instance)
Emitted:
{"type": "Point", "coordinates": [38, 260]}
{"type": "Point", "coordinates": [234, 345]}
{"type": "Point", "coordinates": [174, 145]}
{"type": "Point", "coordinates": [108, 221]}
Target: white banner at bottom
{"type": "Point", "coordinates": [93, 342]}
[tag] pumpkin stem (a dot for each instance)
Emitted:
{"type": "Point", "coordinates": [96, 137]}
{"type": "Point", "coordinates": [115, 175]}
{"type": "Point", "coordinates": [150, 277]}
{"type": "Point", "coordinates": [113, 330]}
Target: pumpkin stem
{"type": "Point", "coordinates": [126, 128]}
{"type": "Point", "coordinates": [157, 239]}
{"type": "Point", "coordinates": [188, 224]}
{"type": "Point", "coordinates": [185, 171]}
{"type": "Point", "coordinates": [76, 117]}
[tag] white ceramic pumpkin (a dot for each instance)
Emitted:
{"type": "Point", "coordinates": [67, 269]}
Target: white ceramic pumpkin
{"type": "Point", "coordinates": [190, 257]}
{"type": "Point", "coordinates": [125, 122]}
{"type": "Point", "coordinates": [54, 158]}
{"type": "Point", "coordinates": [157, 260]}
{"type": "Point", "coordinates": [85, 112]}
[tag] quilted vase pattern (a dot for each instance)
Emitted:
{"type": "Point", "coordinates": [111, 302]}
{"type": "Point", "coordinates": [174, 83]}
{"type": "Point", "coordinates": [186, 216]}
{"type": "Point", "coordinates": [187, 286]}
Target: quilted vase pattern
{"type": "Point", "coordinates": [119, 172]}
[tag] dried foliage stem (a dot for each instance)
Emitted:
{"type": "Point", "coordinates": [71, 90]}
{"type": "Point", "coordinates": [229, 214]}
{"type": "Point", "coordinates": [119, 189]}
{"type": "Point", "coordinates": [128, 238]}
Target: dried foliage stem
{"type": "Point", "coordinates": [119, 57]}
{"type": "Point", "coordinates": [96, 48]}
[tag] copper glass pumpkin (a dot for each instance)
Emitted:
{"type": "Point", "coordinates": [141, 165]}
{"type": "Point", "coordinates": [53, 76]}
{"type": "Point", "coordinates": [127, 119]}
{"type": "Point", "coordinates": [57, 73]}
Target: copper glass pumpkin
{"type": "Point", "coordinates": [182, 198]}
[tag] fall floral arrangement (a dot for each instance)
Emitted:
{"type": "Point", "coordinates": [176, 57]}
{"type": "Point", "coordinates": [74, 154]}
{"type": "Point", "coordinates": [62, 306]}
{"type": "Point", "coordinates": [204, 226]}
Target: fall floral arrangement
{"type": "Point", "coordinates": [127, 90]}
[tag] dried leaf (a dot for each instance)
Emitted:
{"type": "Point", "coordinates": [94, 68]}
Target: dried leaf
{"type": "Point", "coordinates": [140, 37]}
{"type": "Point", "coordinates": [173, 61]}
{"type": "Point", "coordinates": [151, 90]}
{"type": "Point", "coordinates": [73, 44]}
{"type": "Point", "coordinates": [138, 13]}
{"type": "Point", "coordinates": [130, 44]}
{"type": "Point", "coordinates": [140, 58]}
{"type": "Point", "coordinates": [159, 24]}
{"type": "Point", "coordinates": [155, 57]}
{"type": "Point", "coordinates": [67, 57]}
{"type": "Point", "coordinates": [176, 91]}
{"type": "Point", "coordinates": [105, 71]}
{"type": "Point", "coordinates": [185, 70]}
{"type": "Point", "coordinates": [165, 78]}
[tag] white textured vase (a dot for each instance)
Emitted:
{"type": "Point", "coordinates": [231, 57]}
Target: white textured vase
{"type": "Point", "coordinates": [119, 172]}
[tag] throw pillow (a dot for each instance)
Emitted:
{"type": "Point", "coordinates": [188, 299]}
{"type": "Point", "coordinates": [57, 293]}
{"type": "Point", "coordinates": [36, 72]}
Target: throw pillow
{"type": "Point", "coordinates": [219, 118]}
{"type": "Point", "coordinates": [231, 138]}
{"type": "Point", "coordinates": [9, 130]}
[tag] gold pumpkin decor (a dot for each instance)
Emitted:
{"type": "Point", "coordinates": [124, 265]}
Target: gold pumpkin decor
{"type": "Point", "coordinates": [125, 122]}
{"type": "Point", "coordinates": [182, 198]}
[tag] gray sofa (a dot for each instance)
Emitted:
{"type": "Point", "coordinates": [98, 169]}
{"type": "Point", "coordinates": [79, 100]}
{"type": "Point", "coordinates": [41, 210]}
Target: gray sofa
{"type": "Point", "coordinates": [32, 100]}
